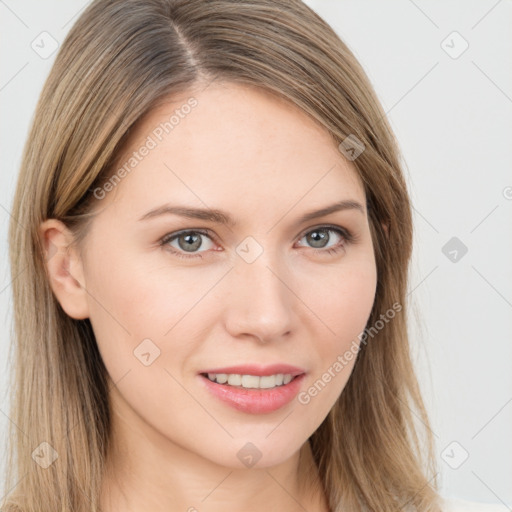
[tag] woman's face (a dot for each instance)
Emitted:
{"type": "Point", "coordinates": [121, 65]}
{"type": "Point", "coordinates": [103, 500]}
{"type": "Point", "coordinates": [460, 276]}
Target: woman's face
{"type": "Point", "coordinates": [175, 296]}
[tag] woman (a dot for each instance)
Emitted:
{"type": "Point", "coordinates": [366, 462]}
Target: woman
{"type": "Point", "coordinates": [212, 234]}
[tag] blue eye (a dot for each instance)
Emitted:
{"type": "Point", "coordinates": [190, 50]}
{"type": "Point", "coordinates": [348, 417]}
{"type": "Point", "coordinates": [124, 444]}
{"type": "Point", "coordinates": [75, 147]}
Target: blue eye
{"type": "Point", "coordinates": [191, 240]}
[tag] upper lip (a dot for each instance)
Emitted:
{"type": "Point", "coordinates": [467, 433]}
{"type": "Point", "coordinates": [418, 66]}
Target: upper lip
{"type": "Point", "coordinates": [254, 369]}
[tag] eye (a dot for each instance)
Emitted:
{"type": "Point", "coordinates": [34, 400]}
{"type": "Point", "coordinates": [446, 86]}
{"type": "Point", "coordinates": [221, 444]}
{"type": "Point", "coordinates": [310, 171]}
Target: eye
{"type": "Point", "coordinates": [319, 238]}
{"type": "Point", "coordinates": [190, 241]}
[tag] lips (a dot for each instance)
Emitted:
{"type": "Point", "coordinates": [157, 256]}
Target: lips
{"type": "Point", "coordinates": [255, 401]}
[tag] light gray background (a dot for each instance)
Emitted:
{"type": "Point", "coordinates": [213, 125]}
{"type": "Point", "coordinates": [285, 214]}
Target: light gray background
{"type": "Point", "coordinates": [452, 117]}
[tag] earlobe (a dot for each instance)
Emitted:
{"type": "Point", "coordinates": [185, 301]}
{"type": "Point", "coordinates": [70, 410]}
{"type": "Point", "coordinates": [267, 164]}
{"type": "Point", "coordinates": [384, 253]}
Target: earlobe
{"type": "Point", "coordinates": [64, 268]}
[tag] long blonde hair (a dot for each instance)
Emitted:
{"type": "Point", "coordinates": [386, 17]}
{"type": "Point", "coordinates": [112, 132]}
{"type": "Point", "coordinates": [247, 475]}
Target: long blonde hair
{"type": "Point", "coordinates": [118, 61]}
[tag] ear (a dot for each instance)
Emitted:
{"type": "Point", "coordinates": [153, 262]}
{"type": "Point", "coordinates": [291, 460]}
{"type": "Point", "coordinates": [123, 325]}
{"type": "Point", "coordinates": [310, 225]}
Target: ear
{"type": "Point", "coordinates": [64, 268]}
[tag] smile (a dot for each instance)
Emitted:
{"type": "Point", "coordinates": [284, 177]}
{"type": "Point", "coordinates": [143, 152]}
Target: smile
{"type": "Point", "coordinates": [251, 381]}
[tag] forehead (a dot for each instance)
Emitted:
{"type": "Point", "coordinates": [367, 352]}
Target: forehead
{"type": "Point", "coordinates": [235, 145]}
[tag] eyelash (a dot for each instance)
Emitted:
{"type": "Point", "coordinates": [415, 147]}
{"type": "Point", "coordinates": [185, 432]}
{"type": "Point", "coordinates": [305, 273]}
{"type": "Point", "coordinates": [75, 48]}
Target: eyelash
{"type": "Point", "coordinates": [347, 236]}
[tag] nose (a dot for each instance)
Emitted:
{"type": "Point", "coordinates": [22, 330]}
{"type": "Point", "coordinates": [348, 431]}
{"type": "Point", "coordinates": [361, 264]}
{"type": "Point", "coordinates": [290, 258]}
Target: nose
{"type": "Point", "coordinates": [261, 303]}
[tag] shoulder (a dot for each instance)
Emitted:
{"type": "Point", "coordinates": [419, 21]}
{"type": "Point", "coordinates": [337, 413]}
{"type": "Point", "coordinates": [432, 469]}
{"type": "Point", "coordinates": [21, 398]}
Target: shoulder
{"type": "Point", "coordinates": [458, 505]}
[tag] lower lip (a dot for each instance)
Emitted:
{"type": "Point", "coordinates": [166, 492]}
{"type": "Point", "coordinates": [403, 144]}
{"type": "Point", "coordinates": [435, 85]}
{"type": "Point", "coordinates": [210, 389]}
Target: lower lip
{"type": "Point", "coordinates": [255, 401]}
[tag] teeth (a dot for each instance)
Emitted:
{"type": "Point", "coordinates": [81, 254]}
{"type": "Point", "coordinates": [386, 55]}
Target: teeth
{"type": "Point", "coordinates": [234, 379]}
{"type": "Point", "coordinates": [251, 381]}
{"type": "Point", "coordinates": [222, 378]}
{"type": "Point", "coordinates": [248, 381]}
{"type": "Point", "coordinates": [268, 381]}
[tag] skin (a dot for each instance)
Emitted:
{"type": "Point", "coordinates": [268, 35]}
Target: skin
{"type": "Point", "coordinates": [265, 162]}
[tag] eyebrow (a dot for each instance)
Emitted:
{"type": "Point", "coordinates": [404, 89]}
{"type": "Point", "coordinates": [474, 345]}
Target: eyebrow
{"type": "Point", "coordinates": [221, 217]}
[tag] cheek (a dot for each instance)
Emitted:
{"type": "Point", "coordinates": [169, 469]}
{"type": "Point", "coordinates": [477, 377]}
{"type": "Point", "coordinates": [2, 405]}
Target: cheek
{"type": "Point", "coordinates": [355, 298]}
{"type": "Point", "coordinates": [142, 324]}
{"type": "Point", "coordinates": [344, 309]}
{"type": "Point", "coordinates": [344, 302]}
{"type": "Point", "coordinates": [131, 303]}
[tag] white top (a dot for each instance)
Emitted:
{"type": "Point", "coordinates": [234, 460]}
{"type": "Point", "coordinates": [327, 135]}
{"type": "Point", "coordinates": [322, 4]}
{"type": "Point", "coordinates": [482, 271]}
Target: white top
{"type": "Point", "coordinates": [458, 505]}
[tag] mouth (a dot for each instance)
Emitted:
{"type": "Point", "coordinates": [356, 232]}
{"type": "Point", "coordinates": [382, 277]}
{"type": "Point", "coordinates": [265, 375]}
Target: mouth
{"type": "Point", "coordinates": [252, 389]}
{"type": "Point", "coordinates": [246, 381]}
{"type": "Point", "coordinates": [252, 376]}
